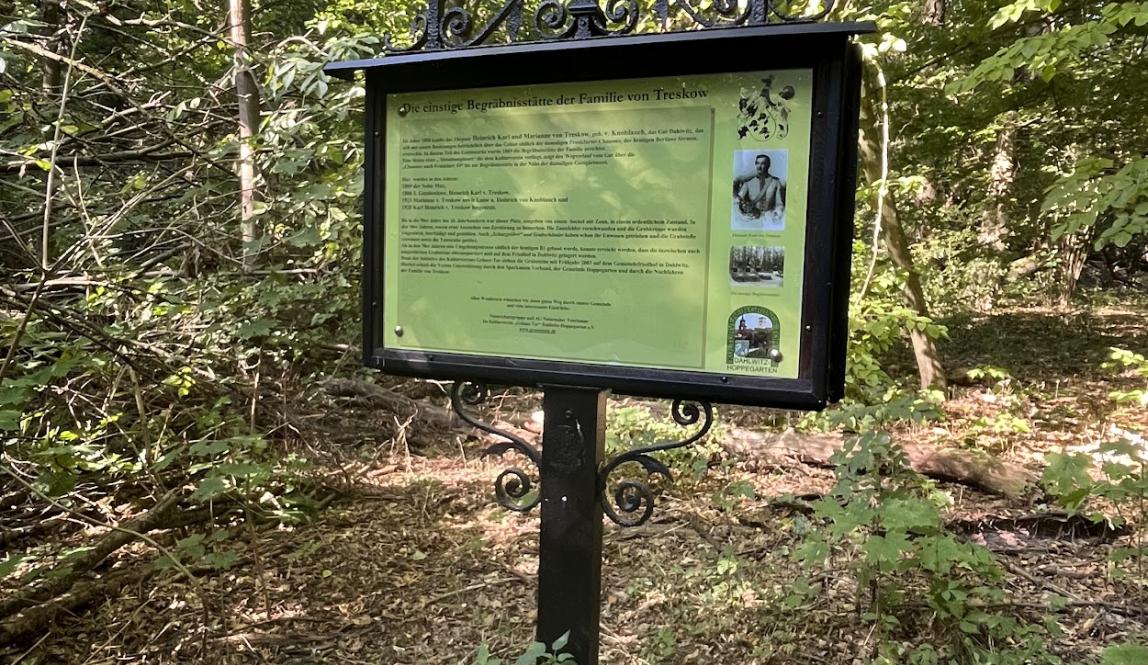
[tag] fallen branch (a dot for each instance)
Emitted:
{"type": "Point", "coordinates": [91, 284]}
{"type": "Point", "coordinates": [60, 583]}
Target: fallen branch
{"type": "Point", "coordinates": [34, 619]}
{"type": "Point", "coordinates": [1074, 600]}
{"type": "Point", "coordinates": [91, 558]}
{"type": "Point", "coordinates": [967, 467]}
{"type": "Point", "coordinates": [1045, 525]}
{"type": "Point", "coordinates": [144, 154]}
{"type": "Point", "coordinates": [403, 407]}
{"type": "Point", "coordinates": [457, 592]}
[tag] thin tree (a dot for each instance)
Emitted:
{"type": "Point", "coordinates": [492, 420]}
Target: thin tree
{"type": "Point", "coordinates": [929, 366]}
{"type": "Point", "coordinates": [247, 92]}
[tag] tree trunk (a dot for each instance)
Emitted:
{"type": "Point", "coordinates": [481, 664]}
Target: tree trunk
{"type": "Point", "coordinates": [1074, 252]}
{"type": "Point", "coordinates": [50, 68]}
{"type": "Point", "coordinates": [933, 13]}
{"type": "Point", "coordinates": [1002, 174]}
{"type": "Point", "coordinates": [896, 242]}
{"type": "Point", "coordinates": [53, 91]}
{"type": "Point", "coordinates": [247, 92]}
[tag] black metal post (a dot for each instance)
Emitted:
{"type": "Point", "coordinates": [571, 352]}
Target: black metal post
{"type": "Point", "coordinates": [570, 540]}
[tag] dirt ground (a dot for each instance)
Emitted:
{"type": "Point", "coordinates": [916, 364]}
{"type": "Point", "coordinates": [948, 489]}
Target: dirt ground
{"type": "Point", "coordinates": [415, 563]}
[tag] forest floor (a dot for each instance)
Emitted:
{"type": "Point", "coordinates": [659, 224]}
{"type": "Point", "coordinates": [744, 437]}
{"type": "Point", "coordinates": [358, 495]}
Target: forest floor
{"type": "Point", "coordinates": [415, 563]}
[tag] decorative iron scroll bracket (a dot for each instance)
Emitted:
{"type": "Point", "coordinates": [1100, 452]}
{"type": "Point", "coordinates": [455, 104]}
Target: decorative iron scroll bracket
{"type": "Point", "coordinates": [633, 500]}
{"type": "Point", "coordinates": [630, 503]}
{"type": "Point", "coordinates": [440, 25]}
{"type": "Point", "coordinates": [513, 488]}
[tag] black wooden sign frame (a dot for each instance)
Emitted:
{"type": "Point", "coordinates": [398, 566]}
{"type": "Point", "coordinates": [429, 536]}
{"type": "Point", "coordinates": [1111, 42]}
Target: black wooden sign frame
{"type": "Point", "coordinates": [827, 49]}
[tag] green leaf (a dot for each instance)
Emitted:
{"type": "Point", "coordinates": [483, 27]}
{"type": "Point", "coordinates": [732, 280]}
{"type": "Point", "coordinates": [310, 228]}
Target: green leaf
{"type": "Point", "coordinates": [940, 553]}
{"type": "Point", "coordinates": [165, 562]}
{"type": "Point", "coordinates": [910, 515]}
{"type": "Point", "coordinates": [306, 238]}
{"type": "Point", "coordinates": [221, 560]}
{"type": "Point", "coordinates": [9, 420]}
{"type": "Point", "coordinates": [1119, 447]}
{"type": "Point", "coordinates": [483, 657]}
{"type": "Point", "coordinates": [1125, 654]}
{"type": "Point", "coordinates": [166, 460]}
{"type": "Point", "coordinates": [72, 553]}
{"type": "Point", "coordinates": [8, 565]}
{"type": "Point", "coordinates": [59, 572]}
{"type": "Point", "coordinates": [1066, 478]}
{"type": "Point", "coordinates": [57, 482]}
{"type": "Point", "coordinates": [210, 448]}
{"type": "Point", "coordinates": [191, 541]}
{"type": "Point", "coordinates": [532, 654]}
{"type": "Point", "coordinates": [254, 328]}
{"type": "Point", "coordinates": [561, 642]}
{"type": "Point", "coordinates": [885, 551]}
{"type": "Point", "coordinates": [211, 486]}
{"type": "Point", "coordinates": [11, 394]}
{"type": "Point", "coordinates": [241, 469]}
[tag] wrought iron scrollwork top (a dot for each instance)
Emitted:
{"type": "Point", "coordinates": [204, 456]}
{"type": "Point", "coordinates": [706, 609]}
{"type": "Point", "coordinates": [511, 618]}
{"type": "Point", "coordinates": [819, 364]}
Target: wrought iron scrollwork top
{"type": "Point", "coordinates": [633, 500]}
{"type": "Point", "coordinates": [513, 488]}
{"type": "Point", "coordinates": [452, 26]}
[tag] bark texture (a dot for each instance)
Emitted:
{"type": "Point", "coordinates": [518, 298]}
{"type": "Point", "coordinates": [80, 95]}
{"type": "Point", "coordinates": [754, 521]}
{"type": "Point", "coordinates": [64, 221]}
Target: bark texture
{"type": "Point", "coordinates": [933, 13]}
{"type": "Point", "coordinates": [91, 558]}
{"type": "Point", "coordinates": [967, 467]}
{"type": "Point", "coordinates": [420, 414]}
{"type": "Point", "coordinates": [247, 92]}
{"type": "Point", "coordinates": [1002, 174]}
{"type": "Point", "coordinates": [50, 67]}
{"type": "Point", "coordinates": [932, 373]}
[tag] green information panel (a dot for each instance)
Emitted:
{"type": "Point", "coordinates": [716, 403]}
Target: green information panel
{"type": "Point", "coordinates": [655, 223]}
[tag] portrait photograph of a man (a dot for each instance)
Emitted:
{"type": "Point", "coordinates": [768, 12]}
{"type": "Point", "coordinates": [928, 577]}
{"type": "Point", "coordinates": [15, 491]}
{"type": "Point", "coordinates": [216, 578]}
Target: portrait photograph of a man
{"type": "Point", "coordinates": [759, 190]}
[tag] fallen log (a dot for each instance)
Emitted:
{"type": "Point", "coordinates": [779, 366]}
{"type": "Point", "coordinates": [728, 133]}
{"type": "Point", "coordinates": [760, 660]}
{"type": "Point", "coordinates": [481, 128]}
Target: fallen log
{"type": "Point", "coordinates": [35, 619]}
{"type": "Point", "coordinates": [529, 436]}
{"type": "Point", "coordinates": [405, 408]}
{"type": "Point", "coordinates": [967, 467]}
{"type": "Point", "coordinates": [32, 621]}
{"type": "Point", "coordinates": [162, 516]}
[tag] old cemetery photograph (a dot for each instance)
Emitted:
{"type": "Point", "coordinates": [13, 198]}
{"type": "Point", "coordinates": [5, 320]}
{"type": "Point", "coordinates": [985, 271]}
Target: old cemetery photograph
{"type": "Point", "coordinates": [841, 356]}
{"type": "Point", "coordinates": [755, 265]}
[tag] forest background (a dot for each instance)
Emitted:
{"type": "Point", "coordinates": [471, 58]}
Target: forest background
{"type": "Point", "coordinates": [195, 469]}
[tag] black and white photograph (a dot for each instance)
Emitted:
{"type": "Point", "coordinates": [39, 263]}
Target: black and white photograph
{"type": "Point", "coordinates": [756, 265]}
{"type": "Point", "coordinates": [759, 178]}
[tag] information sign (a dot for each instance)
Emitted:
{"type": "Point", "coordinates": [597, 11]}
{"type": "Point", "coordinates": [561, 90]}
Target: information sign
{"type": "Point", "coordinates": [642, 223]}
{"type": "Point", "coordinates": [682, 233]}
